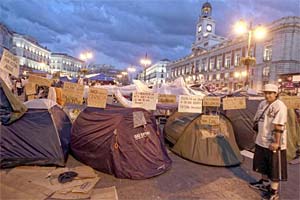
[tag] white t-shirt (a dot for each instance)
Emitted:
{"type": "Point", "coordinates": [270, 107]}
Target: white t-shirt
{"type": "Point", "coordinates": [275, 114]}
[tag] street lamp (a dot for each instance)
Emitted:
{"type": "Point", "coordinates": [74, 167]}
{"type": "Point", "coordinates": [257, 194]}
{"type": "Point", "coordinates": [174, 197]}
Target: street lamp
{"type": "Point", "coordinates": [131, 70]}
{"type": "Point", "coordinates": [259, 32]}
{"type": "Point", "coordinates": [145, 62]}
{"type": "Point", "coordinates": [85, 56]}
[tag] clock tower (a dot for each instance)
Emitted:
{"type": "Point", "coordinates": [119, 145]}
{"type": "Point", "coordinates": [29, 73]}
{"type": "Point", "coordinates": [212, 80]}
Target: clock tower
{"type": "Point", "coordinates": [205, 29]}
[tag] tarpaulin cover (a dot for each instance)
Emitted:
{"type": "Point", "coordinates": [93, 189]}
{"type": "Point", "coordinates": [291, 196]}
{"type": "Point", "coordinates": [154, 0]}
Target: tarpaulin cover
{"type": "Point", "coordinates": [106, 140]}
{"type": "Point", "coordinates": [40, 137]}
{"type": "Point", "coordinates": [211, 145]}
{"type": "Point", "coordinates": [11, 108]}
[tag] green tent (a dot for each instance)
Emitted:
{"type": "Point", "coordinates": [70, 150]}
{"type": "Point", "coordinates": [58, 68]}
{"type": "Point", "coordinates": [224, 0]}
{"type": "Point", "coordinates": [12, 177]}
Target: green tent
{"type": "Point", "coordinates": [11, 108]}
{"type": "Point", "coordinates": [206, 144]}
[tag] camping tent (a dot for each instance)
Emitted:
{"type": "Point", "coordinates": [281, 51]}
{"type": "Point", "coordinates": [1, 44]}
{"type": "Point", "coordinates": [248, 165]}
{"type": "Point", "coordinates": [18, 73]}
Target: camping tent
{"type": "Point", "coordinates": [211, 145]}
{"type": "Point", "coordinates": [106, 140]}
{"type": "Point", "coordinates": [40, 137]}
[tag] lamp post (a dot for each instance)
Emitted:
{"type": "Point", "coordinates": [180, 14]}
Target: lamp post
{"type": "Point", "coordinates": [85, 56]}
{"type": "Point", "coordinates": [145, 62]}
{"type": "Point", "coordinates": [130, 70]}
{"type": "Point", "coordinates": [259, 32]}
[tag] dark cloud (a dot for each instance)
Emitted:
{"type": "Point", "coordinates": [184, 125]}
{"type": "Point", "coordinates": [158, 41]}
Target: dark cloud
{"type": "Point", "coordinates": [120, 32]}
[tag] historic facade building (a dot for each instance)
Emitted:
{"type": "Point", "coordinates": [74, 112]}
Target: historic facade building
{"type": "Point", "coordinates": [216, 61]}
{"type": "Point", "coordinates": [65, 64]}
{"type": "Point", "coordinates": [155, 74]}
{"type": "Point", "coordinates": [6, 38]}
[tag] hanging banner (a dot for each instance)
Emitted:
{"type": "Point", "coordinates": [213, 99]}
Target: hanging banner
{"type": "Point", "coordinates": [212, 101]}
{"type": "Point", "coordinates": [39, 80]}
{"type": "Point", "coordinates": [190, 104]}
{"type": "Point", "coordinates": [167, 98]}
{"type": "Point", "coordinates": [10, 63]}
{"type": "Point", "coordinates": [234, 103]}
{"type": "Point", "coordinates": [97, 97]}
{"type": "Point", "coordinates": [72, 93]}
{"type": "Point", "coordinates": [30, 88]}
{"type": "Point", "coordinates": [146, 100]}
{"type": "Point", "coordinates": [291, 102]}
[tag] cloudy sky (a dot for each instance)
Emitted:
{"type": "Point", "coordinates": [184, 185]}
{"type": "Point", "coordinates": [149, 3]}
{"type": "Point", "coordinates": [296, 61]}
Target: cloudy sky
{"type": "Point", "coordinates": [120, 32]}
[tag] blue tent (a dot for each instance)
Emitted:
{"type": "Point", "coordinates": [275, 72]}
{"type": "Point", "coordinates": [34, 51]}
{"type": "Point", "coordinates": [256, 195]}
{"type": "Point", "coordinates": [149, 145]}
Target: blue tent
{"type": "Point", "coordinates": [101, 77]}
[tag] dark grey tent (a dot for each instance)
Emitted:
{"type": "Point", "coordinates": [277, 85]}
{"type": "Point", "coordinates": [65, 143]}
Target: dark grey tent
{"type": "Point", "coordinates": [106, 140]}
{"type": "Point", "coordinates": [211, 145]}
{"type": "Point", "coordinates": [40, 137]}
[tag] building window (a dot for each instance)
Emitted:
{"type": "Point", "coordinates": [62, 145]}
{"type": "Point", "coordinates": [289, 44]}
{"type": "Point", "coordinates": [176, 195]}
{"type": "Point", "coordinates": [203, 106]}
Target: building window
{"type": "Point", "coordinates": [237, 58]}
{"type": "Point", "coordinates": [219, 62]}
{"type": "Point", "coordinates": [210, 77]}
{"type": "Point", "coordinates": [161, 76]}
{"type": "Point", "coordinates": [226, 75]}
{"type": "Point", "coordinates": [218, 77]}
{"type": "Point", "coordinates": [266, 71]}
{"type": "Point", "coordinates": [204, 66]}
{"type": "Point", "coordinates": [268, 52]}
{"type": "Point", "coordinates": [227, 61]}
{"type": "Point", "coordinates": [211, 64]}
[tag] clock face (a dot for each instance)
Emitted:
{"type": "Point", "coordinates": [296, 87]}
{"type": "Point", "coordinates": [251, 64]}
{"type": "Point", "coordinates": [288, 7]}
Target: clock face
{"type": "Point", "coordinates": [209, 28]}
{"type": "Point", "coordinates": [199, 29]}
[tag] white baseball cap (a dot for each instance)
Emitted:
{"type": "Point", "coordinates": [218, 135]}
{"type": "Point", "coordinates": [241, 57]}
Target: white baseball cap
{"type": "Point", "coordinates": [270, 88]}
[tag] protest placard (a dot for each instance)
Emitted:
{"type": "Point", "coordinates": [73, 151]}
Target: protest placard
{"type": "Point", "coordinates": [30, 88]}
{"type": "Point", "coordinates": [10, 63]}
{"type": "Point", "coordinates": [97, 97]}
{"type": "Point", "coordinates": [291, 102]}
{"type": "Point", "coordinates": [210, 119]}
{"type": "Point", "coordinates": [190, 104]}
{"type": "Point", "coordinates": [212, 101]}
{"type": "Point", "coordinates": [39, 80]}
{"type": "Point", "coordinates": [72, 93]}
{"type": "Point", "coordinates": [233, 103]}
{"type": "Point", "coordinates": [167, 99]}
{"type": "Point", "coordinates": [146, 100]}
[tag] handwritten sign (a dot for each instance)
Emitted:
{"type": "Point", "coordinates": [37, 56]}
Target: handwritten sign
{"type": "Point", "coordinates": [72, 93]}
{"type": "Point", "coordinates": [167, 98]}
{"type": "Point", "coordinates": [291, 102]}
{"type": "Point", "coordinates": [138, 119]}
{"type": "Point", "coordinates": [210, 119]}
{"type": "Point", "coordinates": [190, 104]}
{"type": "Point", "coordinates": [97, 97]}
{"type": "Point", "coordinates": [10, 63]}
{"type": "Point", "coordinates": [233, 103]}
{"type": "Point", "coordinates": [212, 101]}
{"type": "Point", "coordinates": [39, 80]}
{"type": "Point", "coordinates": [146, 100]}
{"type": "Point", "coordinates": [30, 88]}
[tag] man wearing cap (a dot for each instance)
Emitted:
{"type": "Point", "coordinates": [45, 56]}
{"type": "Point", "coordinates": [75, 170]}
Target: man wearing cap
{"type": "Point", "coordinates": [270, 149]}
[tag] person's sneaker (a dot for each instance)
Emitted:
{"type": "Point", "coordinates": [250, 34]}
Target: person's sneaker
{"type": "Point", "coordinates": [260, 185]}
{"type": "Point", "coordinates": [271, 195]}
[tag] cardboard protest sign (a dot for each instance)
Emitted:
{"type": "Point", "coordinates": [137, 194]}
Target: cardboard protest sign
{"type": "Point", "coordinates": [10, 63]}
{"type": "Point", "coordinates": [146, 100]}
{"type": "Point", "coordinates": [72, 93]}
{"type": "Point", "coordinates": [212, 101]}
{"type": "Point", "coordinates": [30, 88]}
{"type": "Point", "coordinates": [167, 99]}
{"type": "Point", "coordinates": [97, 97]}
{"type": "Point", "coordinates": [39, 80]}
{"type": "Point", "coordinates": [190, 104]}
{"type": "Point", "coordinates": [210, 119]}
{"type": "Point", "coordinates": [233, 103]}
{"type": "Point", "coordinates": [138, 119]}
{"type": "Point", "coordinates": [291, 102]}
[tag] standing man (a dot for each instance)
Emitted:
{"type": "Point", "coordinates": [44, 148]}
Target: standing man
{"type": "Point", "coordinates": [270, 149]}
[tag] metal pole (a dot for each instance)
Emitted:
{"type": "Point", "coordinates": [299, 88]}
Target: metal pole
{"type": "Point", "coordinates": [248, 54]}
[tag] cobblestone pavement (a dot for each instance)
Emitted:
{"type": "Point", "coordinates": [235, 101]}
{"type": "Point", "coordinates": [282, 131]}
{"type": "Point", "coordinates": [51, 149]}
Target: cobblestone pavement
{"type": "Point", "coordinates": [188, 180]}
